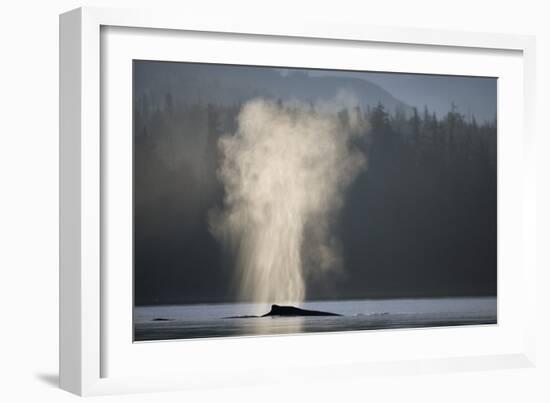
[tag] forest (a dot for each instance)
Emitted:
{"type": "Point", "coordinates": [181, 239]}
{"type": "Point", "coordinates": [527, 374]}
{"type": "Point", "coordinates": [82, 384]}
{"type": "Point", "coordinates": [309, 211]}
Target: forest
{"type": "Point", "coordinates": [427, 201]}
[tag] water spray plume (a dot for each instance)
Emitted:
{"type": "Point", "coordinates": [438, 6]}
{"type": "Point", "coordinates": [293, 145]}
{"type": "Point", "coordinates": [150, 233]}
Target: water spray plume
{"type": "Point", "coordinates": [285, 172]}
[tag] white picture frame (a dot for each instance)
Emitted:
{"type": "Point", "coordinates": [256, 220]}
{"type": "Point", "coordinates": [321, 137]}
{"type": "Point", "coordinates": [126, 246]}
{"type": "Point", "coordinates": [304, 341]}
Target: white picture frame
{"type": "Point", "coordinates": [89, 335]}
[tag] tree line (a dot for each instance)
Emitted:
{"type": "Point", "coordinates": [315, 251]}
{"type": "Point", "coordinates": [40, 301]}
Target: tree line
{"type": "Point", "coordinates": [426, 202]}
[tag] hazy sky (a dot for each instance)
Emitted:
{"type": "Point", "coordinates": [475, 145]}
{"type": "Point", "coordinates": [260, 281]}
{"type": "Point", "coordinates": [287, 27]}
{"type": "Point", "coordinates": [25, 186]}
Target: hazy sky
{"type": "Point", "coordinates": [471, 95]}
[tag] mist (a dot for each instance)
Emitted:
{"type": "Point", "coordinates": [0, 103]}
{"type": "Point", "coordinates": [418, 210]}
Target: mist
{"type": "Point", "coordinates": [285, 173]}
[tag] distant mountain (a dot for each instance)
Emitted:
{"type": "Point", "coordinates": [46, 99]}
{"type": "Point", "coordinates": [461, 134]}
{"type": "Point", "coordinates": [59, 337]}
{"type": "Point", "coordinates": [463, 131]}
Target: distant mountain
{"type": "Point", "coordinates": [230, 85]}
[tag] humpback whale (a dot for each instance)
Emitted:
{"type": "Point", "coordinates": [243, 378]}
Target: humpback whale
{"type": "Point", "coordinates": [277, 310]}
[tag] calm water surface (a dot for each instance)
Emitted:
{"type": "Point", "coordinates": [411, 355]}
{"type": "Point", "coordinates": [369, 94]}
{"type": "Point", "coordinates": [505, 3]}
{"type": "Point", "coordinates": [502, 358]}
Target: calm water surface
{"type": "Point", "coordinates": [211, 320]}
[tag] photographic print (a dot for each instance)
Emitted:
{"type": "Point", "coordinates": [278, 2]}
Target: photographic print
{"type": "Point", "coordinates": [274, 200]}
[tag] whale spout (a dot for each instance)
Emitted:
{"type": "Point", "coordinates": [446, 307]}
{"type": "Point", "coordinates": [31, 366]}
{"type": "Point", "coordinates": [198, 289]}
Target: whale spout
{"type": "Point", "coordinates": [277, 310]}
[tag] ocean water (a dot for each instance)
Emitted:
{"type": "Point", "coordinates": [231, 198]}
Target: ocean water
{"type": "Point", "coordinates": [215, 320]}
